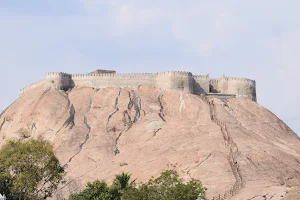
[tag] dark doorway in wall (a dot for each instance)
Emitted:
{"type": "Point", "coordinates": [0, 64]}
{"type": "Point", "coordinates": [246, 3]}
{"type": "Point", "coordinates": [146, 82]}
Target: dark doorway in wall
{"type": "Point", "coordinates": [212, 89]}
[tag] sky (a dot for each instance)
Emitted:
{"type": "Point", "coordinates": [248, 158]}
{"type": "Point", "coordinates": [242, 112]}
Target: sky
{"type": "Point", "coordinates": [255, 39]}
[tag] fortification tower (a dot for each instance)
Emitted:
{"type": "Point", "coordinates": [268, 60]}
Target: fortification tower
{"type": "Point", "coordinates": [59, 80]}
{"type": "Point", "coordinates": [240, 87]}
{"type": "Point", "coordinates": [182, 81]}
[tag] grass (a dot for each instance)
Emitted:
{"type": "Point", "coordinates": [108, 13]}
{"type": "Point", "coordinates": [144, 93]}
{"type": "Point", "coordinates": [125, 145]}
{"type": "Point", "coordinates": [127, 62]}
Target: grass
{"type": "Point", "coordinates": [293, 194]}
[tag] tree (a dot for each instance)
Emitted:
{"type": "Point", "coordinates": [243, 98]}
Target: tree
{"type": "Point", "coordinates": [99, 190]}
{"type": "Point", "coordinates": [122, 181]}
{"type": "Point", "coordinates": [29, 170]}
{"type": "Point", "coordinates": [166, 187]}
{"type": "Point", "coordinates": [5, 184]}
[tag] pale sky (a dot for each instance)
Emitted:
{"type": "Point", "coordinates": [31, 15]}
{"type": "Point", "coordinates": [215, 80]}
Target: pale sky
{"type": "Point", "coordinates": [255, 39]}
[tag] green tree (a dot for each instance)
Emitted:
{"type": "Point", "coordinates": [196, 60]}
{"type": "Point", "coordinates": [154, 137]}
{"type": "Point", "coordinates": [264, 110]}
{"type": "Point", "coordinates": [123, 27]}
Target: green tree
{"type": "Point", "coordinates": [29, 170]}
{"type": "Point", "coordinates": [122, 181]}
{"type": "Point", "coordinates": [166, 187]}
{"type": "Point", "coordinates": [99, 190]}
{"type": "Point", "coordinates": [5, 184]}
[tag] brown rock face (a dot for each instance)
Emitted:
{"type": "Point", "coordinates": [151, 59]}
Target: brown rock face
{"type": "Point", "coordinates": [234, 147]}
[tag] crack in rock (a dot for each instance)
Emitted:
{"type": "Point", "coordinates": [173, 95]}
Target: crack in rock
{"type": "Point", "coordinates": [71, 109]}
{"type": "Point", "coordinates": [2, 124]}
{"type": "Point", "coordinates": [89, 130]}
{"type": "Point", "coordinates": [134, 102]}
{"type": "Point", "coordinates": [127, 124]}
{"type": "Point", "coordinates": [231, 112]}
{"type": "Point", "coordinates": [252, 162]}
{"type": "Point", "coordinates": [71, 118]}
{"type": "Point", "coordinates": [155, 132]}
{"type": "Point", "coordinates": [96, 164]}
{"type": "Point", "coordinates": [161, 112]}
{"type": "Point", "coordinates": [233, 150]}
{"type": "Point", "coordinates": [137, 107]}
{"type": "Point", "coordinates": [116, 109]}
{"type": "Point", "coordinates": [207, 157]}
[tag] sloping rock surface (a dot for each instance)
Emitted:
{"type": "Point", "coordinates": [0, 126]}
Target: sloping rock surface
{"type": "Point", "coordinates": [235, 147]}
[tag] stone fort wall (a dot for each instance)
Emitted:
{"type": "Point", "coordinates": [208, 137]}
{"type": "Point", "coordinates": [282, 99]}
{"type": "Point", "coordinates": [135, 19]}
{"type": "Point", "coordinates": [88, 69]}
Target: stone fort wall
{"type": "Point", "coordinates": [175, 80]}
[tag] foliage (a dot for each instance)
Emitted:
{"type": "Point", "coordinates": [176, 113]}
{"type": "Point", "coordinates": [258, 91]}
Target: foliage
{"type": "Point", "coordinates": [166, 187]}
{"type": "Point", "coordinates": [122, 181]}
{"type": "Point", "coordinates": [99, 190]}
{"type": "Point", "coordinates": [29, 170]}
{"type": "Point", "coordinates": [5, 184]}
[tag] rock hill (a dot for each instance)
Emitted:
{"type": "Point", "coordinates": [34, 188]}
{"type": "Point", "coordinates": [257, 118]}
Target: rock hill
{"type": "Point", "coordinates": [235, 147]}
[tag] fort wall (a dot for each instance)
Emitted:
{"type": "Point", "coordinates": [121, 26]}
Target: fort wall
{"type": "Point", "coordinates": [174, 80]}
{"type": "Point", "coordinates": [201, 84]}
{"type": "Point", "coordinates": [31, 86]}
{"type": "Point", "coordinates": [113, 80]}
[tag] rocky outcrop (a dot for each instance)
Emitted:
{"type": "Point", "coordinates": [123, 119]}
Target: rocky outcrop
{"type": "Point", "coordinates": [237, 148]}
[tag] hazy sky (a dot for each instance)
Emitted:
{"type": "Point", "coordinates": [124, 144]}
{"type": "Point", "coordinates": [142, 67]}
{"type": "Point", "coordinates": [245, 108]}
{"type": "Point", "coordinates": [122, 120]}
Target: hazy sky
{"type": "Point", "coordinates": [252, 38]}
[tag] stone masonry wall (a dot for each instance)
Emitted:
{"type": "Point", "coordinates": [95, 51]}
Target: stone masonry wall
{"type": "Point", "coordinates": [201, 84]}
{"type": "Point", "coordinates": [113, 80]}
{"type": "Point", "coordinates": [175, 80]}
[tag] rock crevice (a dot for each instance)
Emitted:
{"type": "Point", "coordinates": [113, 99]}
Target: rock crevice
{"type": "Point", "coordinates": [87, 136]}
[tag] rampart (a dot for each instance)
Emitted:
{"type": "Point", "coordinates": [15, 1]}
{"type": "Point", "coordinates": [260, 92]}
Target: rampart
{"type": "Point", "coordinates": [173, 80]}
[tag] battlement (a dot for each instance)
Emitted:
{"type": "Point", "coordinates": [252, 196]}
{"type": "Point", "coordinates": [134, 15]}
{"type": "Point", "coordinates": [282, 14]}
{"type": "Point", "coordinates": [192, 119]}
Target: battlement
{"type": "Point", "coordinates": [175, 80]}
{"type": "Point", "coordinates": [203, 77]}
{"type": "Point", "coordinates": [31, 86]}
{"type": "Point", "coordinates": [62, 74]}
{"type": "Point", "coordinates": [114, 76]}
{"type": "Point", "coordinates": [237, 79]}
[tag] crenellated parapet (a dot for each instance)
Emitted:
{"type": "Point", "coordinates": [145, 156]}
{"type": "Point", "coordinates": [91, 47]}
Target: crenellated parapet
{"type": "Point", "coordinates": [241, 87]}
{"type": "Point", "coordinates": [31, 86]}
{"type": "Point", "coordinates": [114, 76]}
{"type": "Point", "coordinates": [59, 80]}
{"type": "Point", "coordinates": [170, 80]}
{"type": "Point", "coordinates": [175, 80]}
{"type": "Point", "coordinates": [201, 77]}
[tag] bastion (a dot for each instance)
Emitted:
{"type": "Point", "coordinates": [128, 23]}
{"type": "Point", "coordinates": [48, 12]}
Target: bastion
{"type": "Point", "coordinates": [223, 87]}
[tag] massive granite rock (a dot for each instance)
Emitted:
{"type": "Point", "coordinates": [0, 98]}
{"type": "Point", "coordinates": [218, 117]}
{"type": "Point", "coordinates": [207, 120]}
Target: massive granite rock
{"type": "Point", "coordinates": [234, 147]}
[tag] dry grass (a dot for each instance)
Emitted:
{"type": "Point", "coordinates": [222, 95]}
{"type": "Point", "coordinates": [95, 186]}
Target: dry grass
{"type": "Point", "coordinates": [293, 194]}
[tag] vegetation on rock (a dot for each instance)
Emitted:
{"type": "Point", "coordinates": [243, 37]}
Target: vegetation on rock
{"type": "Point", "coordinates": [168, 186]}
{"type": "Point", "coordinates": [29, 170]}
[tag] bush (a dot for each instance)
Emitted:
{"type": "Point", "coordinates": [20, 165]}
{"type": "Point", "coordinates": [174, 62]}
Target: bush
{"type": "Point", "coordinates": [166, 187]}
{"type": "Point", "coordinates": [99, 190]}
{"type": "Point", "coordinates": [96, 190]}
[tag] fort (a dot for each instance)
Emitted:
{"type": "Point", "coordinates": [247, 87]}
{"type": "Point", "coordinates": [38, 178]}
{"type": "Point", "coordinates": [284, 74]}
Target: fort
{"type": "Point", "coordinates": [223, 87]}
